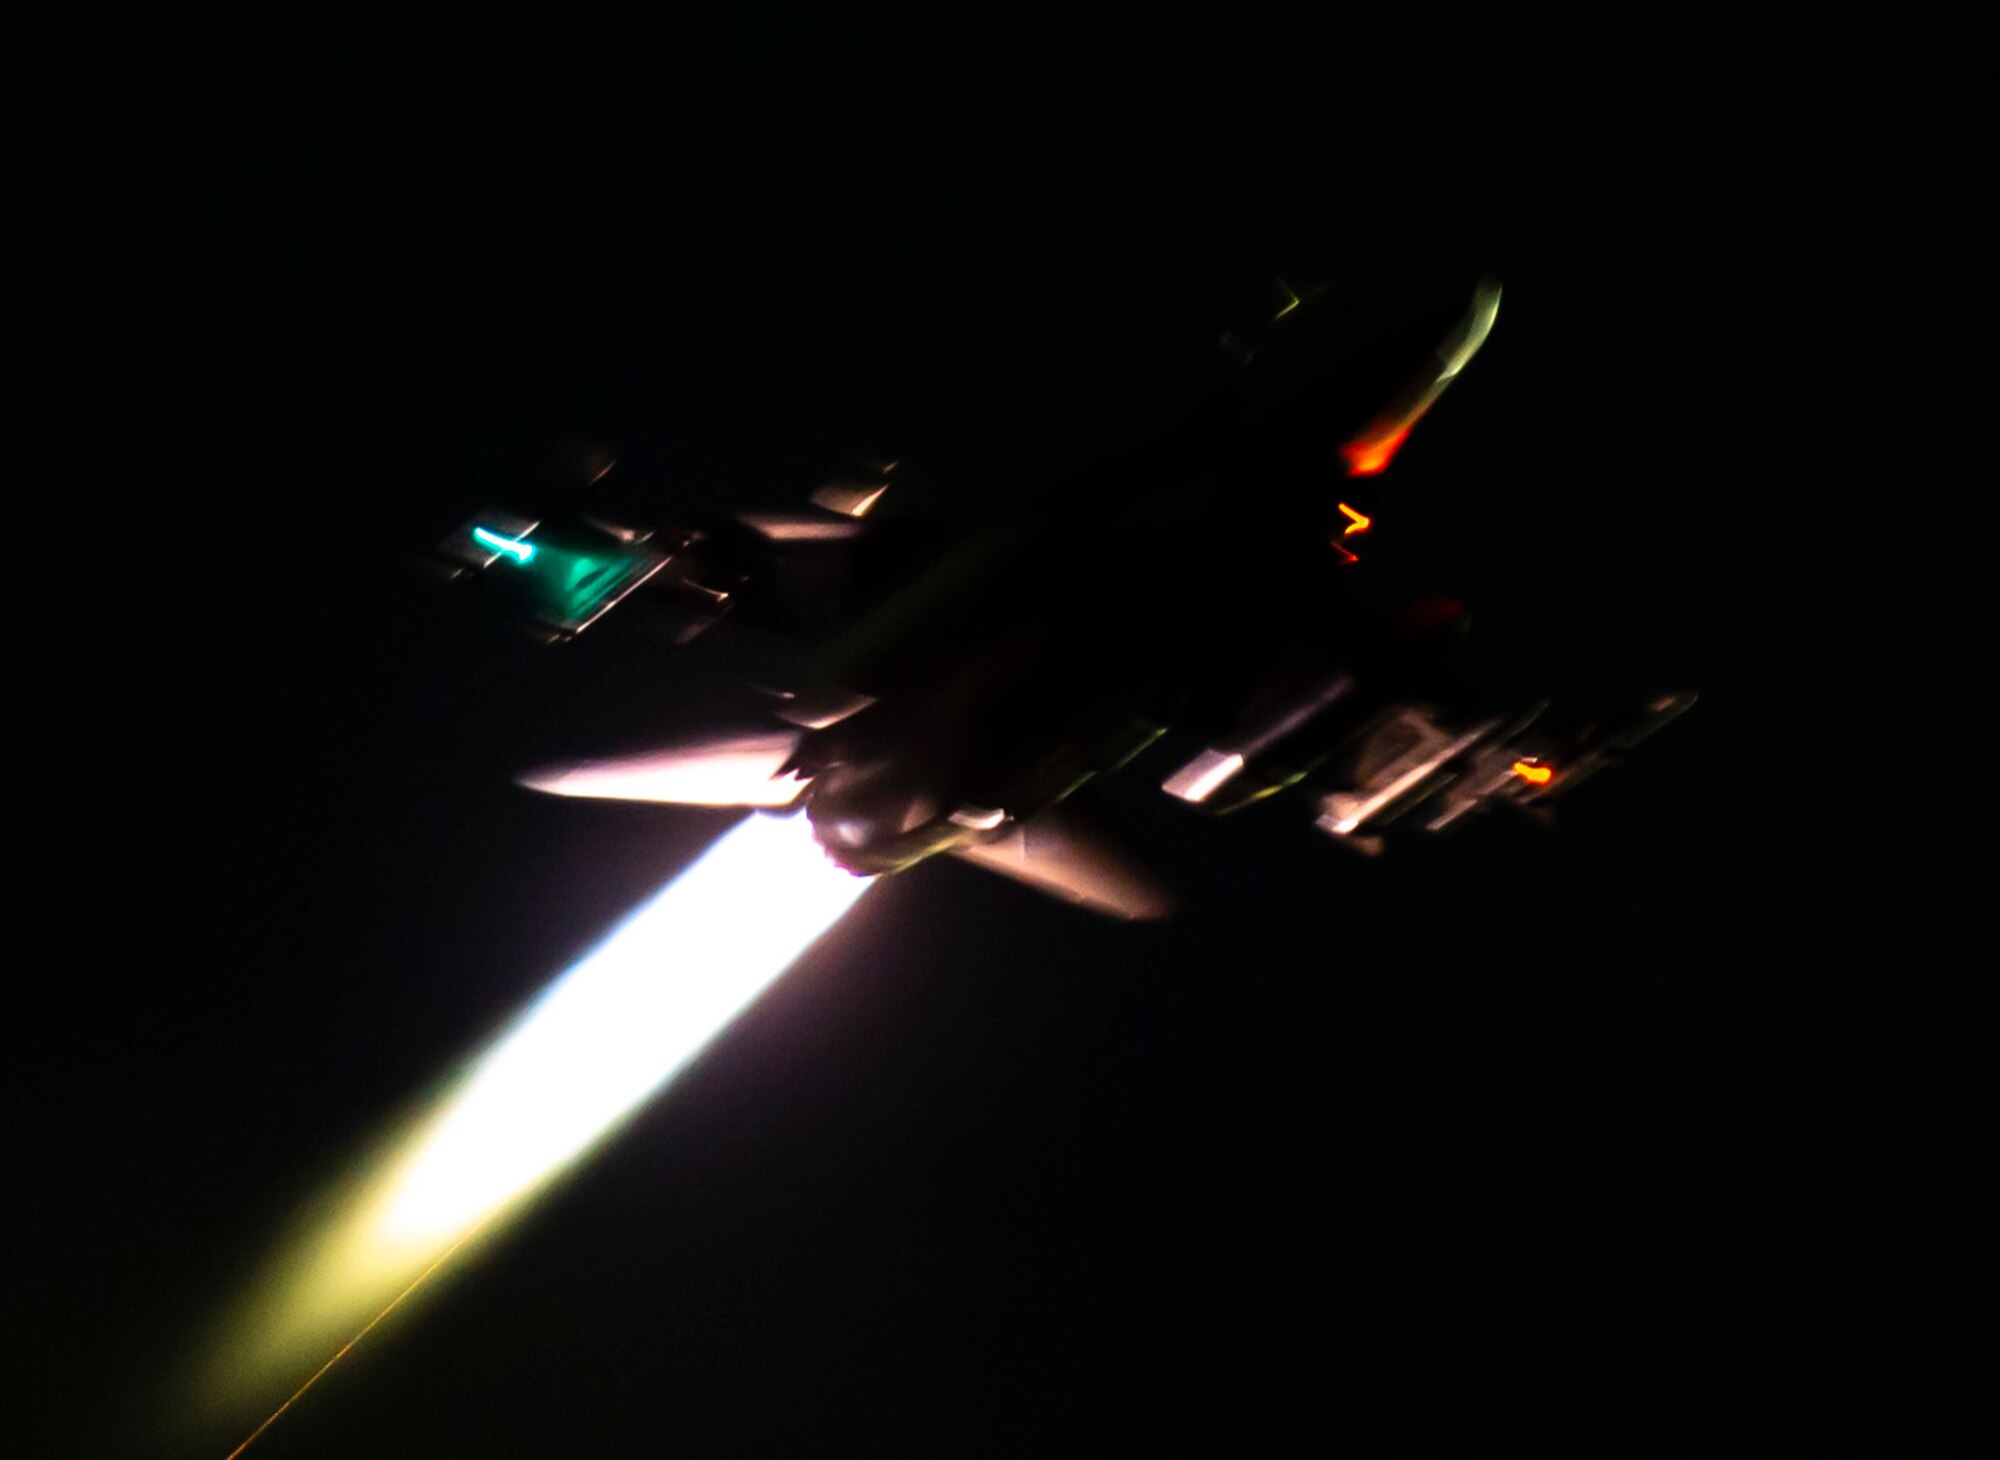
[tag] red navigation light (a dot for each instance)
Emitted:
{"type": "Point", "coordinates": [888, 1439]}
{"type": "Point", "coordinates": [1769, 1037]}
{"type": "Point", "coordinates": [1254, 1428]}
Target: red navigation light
{"type": "Point", "coordinates": [1367, 455]}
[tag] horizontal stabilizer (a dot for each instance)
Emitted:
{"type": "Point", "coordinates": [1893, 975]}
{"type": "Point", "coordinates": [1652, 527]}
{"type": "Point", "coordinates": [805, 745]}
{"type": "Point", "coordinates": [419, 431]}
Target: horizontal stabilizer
{"type": "Point", "coordinates": [738, 770]}
{"type": "Point", "coordinates": [1061, 854]}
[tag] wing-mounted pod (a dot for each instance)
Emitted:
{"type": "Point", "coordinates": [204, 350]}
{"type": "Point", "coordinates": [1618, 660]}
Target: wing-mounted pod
{"type": "Point", "coordinates": [854, 494]}
{"type": "Point", "coordinates": [876, 816]}
{"type": "Point", "coordinates": [1412, 763]}
{"type": "Point", "coordinates": [750, 769]}
{"type": "Point", "coordinates": [1275, 742]}
{"type": "Point", "coordinates": [835, 511]}
{"type": "Point", "coordinates": [1064, 855]}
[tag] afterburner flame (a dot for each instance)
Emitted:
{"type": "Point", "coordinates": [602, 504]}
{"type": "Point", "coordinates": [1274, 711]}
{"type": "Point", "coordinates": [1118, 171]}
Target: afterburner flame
{"type": "Point", "coordinates": [615, 1028]}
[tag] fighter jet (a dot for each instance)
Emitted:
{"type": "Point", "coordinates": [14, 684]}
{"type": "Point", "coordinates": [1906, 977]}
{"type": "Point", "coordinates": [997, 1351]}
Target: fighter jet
{"type": "Point", "coordinates": [965, 681]}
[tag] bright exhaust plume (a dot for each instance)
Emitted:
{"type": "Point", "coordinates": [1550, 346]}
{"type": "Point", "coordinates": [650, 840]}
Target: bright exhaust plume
{"type": "Point", "coordinates": [612, 1030]}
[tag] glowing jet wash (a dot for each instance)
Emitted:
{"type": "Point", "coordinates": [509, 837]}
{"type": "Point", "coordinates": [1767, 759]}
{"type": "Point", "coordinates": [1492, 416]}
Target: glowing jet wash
{"type": "Point", "coordinates": [967, 679]}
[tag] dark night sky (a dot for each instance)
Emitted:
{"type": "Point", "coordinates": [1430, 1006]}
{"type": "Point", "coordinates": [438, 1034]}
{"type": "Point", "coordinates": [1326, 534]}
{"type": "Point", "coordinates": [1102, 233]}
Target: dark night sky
{"type": "Point", "coordinates": [1654, 1126]}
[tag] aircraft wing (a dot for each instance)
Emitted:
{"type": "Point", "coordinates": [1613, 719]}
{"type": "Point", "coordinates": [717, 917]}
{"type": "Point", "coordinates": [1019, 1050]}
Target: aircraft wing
{"type": "Point", "coordinates": [800, 570]}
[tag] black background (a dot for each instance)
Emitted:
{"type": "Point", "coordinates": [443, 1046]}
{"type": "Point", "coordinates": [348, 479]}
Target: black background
{"type": "Point", "coordinates": [1650, 1129]}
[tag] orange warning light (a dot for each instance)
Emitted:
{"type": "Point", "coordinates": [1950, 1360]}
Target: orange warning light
{"type": "Point", "coordinates": [1534, 775]}
{"type": "Point", "coordinates": [1356, 522]}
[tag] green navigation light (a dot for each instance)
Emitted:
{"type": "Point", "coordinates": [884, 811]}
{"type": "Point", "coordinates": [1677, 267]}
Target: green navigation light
{"type": "Point", "coordinates": [567, 577]}
{"type": "Point", "coordinates": [514, 548]}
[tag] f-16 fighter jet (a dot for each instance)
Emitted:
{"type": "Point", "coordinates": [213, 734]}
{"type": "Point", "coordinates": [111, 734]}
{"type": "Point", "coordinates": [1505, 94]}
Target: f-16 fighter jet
{"type": "Point", "coordinates": [965, 681]}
